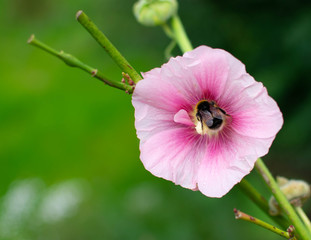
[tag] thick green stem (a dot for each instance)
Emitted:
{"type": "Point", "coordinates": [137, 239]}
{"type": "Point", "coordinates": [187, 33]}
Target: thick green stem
{"type": "Point", "coordinates": [282, 200]}
{"type": "Point", "coordinates": [180, 35]}
{"type": "Point", "coordinates": [248, 218]}
{"type": "Point", "coordinates": [304, 218]}
{"type": "Point", "coordinates": [100, 37]}
{"type": "Point", "coordinates": [74, 62]}
{"type": "Point", "coordinates": [260, 201]}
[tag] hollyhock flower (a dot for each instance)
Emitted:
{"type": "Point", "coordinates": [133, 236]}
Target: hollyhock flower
{"type": "Point", "coordinates": [202, 120]}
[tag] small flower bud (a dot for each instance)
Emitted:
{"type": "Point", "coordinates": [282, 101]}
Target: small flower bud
{"type": "Point", "coordinates": [296, 191]}
{"type": "Point", "coordinates": [154, 12]}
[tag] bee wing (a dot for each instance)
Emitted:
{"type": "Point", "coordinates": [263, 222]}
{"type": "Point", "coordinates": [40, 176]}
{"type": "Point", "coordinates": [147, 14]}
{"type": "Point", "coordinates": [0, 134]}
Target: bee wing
{"type": "Point", "coordinates": [207, 118]}
{"type": "Point", "coordinates": [209, 122]}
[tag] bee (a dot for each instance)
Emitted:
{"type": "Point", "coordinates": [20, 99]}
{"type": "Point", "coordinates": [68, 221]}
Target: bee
{"type": "Point", "coordinates": [210, 115]}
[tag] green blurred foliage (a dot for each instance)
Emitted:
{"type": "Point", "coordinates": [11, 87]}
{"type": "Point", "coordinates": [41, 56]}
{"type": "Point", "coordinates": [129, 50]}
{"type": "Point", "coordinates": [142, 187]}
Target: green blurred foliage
{"type": "Point", "coordinates": [70, 165]}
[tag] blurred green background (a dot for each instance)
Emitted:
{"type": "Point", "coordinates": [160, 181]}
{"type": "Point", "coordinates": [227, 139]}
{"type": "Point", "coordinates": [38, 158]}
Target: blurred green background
{"type": "Point", "coordinates": [69, 155]}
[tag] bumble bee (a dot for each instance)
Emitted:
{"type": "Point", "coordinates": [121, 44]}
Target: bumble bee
{"type": "Point", "coordinates": [210, 115]}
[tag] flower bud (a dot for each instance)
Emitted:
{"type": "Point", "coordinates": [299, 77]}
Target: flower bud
{"type": "Point", "coordinates": [296, 192]}
{"type": "Point", "coordinates": [154, 12]}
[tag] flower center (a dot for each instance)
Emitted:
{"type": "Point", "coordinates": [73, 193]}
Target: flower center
{"type": "Point", "coordinates": [208, 117]}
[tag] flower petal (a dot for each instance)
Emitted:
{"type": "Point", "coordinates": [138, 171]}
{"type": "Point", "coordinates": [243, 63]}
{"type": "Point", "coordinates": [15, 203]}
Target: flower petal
{"type": "Point", "coordinates": [182, 117]}
{"type": "Point", "coordinates": [173, 155]}
{"type": "Point", "coordinates": [227, 161]}
{"type": "Point", "coordinates": [254, 112]}
{"type": "Point", "coordinates": [214, 69]}
{"type": "Point", "coordinates": [150, 120]}
{"type": "Point", "coordinates": [157, 93]}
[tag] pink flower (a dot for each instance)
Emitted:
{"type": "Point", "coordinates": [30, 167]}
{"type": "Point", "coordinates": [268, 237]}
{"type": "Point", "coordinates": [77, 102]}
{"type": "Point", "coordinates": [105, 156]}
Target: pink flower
{"type": "Point", "coordinates": [203, 121]}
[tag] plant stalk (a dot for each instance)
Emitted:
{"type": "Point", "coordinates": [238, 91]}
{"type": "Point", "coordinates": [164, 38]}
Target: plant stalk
{"type": "Point", "coordinates": [180, 35]}
{"type": "Point", "coordinates": [248, 218]}
{"type": "Point", "coordinates": [304, 218]}
{"type": "Point", "coordinates": [260, 201]}
{"type": "Point", "coordinates": [75, 62]}
{"type": "Point", "coordinates": [282, 200]}
{"type": "Point", "coordinates": [100, 37]}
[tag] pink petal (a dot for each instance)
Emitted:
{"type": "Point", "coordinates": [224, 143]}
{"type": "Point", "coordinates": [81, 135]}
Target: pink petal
{"type": "Point", "coordinates": [150, 120]}
{"type": "Point", "coordinates": [254, 112]}
{"type": "Point", "coordinates": [184, 80]}
{"type": "Point", "coordinates": [214, 69]}
{"type": "Point", "coordinates": [227, 161]}
{"type": "Point", "coordinates": [235, 67]}
{"type": "Point", "coordinates": [173, 155]}
{"type": "Point", "coordinates": [157, 93]}
{"type": "Point", "coordinates": [183, 117]}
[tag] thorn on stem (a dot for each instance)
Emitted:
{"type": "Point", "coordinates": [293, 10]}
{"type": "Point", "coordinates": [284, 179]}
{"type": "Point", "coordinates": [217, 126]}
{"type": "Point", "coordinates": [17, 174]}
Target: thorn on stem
{"type": "Point", "coordinates": [94, 72]}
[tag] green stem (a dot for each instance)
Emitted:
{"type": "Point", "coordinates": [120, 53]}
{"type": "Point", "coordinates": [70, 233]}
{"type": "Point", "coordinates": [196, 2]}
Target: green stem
{"type": "Point", "coordinates": [75, 62]}
{"type": "Point", "coordinates": [168, 50]}
{"type": "Point", "coordinates": [248, 218]}
{"type": "Point", "coordinates": [254, 195]}
{"type": "Point", "coordinates": [282, 200]}
{"type": "Point", "coordinates": [100, 37]}
{"type": "Point", "coordinates": [168, 31]}
{"type": "Point", "coordinates": [180, 35]}
{"type": "Point", "coordinates": [260, 201]}
{"type": "Point", "coordinates": [304, 218]}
